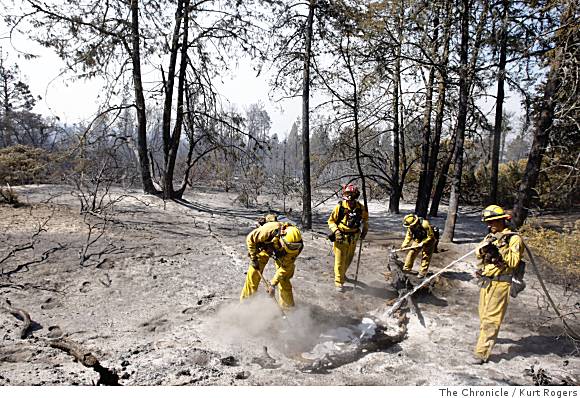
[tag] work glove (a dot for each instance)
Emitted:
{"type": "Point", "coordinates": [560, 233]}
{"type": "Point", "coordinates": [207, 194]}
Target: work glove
{"type": "Point", "coordinates": [254, 264]}
{"type": "Point", "coordinates": [420, 245]}
{"type": "Point", "coordinates": [339, 237]}
{"type": "Point", "coordinates": [490, 253]}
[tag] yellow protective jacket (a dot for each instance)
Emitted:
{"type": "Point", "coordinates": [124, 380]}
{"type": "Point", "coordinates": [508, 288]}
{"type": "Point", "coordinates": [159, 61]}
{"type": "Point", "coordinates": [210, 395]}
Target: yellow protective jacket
{"type": "Point", "coordinates": [511, 249]}
{"type": "Point", "coordinates": [342, 225]}
{"type": "Point", "coordinates": [427, 238]}
{"type": "Point", "coordinates": [266, 237]}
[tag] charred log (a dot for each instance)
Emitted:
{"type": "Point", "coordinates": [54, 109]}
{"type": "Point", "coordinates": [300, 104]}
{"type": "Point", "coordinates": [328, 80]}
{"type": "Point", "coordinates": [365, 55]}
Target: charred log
{"type": "Point", "coordinates": [22, 315]}
{"type": "Point", "coordinates": [107, 377]}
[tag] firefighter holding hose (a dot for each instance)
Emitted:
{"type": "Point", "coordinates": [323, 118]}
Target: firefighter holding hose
{"type": "Point", "coordinates": [501, 253]}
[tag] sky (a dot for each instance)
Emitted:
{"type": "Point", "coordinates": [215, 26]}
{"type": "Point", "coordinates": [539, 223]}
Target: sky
{"type": "Point", "coordinates": [76, 101]}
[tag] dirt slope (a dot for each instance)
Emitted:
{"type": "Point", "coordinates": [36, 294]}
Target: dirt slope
{"type": "Point", "coordinates": [160, 304]}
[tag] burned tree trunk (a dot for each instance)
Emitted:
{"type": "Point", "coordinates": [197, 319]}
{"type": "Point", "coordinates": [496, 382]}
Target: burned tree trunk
{"type": "Point", "coordinates": [497, 136]}
{"type": "Point", "coordinates": [306, 192]}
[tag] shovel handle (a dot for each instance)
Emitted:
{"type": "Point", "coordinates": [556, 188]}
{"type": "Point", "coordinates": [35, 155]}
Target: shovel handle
{"type": "Point", "coordinates": [268, 287]}
{"type": "Point", "coordinates": [405, 249]}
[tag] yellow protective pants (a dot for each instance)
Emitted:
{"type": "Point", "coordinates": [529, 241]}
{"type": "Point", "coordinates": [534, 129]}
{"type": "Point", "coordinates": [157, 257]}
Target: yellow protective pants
{"type": "Point", "coordinates": [284, 272]}
{"type": "Point", "coordinates": [426, 254]}
{"type": "Point", "coordinates": [343, 255]}
{"type": "Point", "coordinates": [493, 302]}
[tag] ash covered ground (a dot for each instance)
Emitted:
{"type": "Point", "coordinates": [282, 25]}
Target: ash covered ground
{"type": "Point", "coordinates": [156, 300]}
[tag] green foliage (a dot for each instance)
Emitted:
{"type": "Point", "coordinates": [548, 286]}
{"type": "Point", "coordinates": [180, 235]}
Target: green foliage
{"type": "Point", "coordinates": [556, 189]}
{"type": "Point", "coordinates": [558, 185]}
{"type": "Point", "coordinates": [560, 249]}
{"type": "Point", "coordinates": [21, 164]}
{"type": "Point", "coordinates": [509, 177]}
{"type": "Point", "coordinates": [475, 183]}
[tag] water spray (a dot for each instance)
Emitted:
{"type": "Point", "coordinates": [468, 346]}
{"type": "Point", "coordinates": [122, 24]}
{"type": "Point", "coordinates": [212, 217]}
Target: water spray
{"type": "Point", "coordinates": [398, 303]}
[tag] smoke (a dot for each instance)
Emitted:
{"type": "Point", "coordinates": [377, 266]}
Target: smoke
{"type": "Point", "coordinates": [255, 317]}
{"type": "Point", "coordinates": [260, 320]}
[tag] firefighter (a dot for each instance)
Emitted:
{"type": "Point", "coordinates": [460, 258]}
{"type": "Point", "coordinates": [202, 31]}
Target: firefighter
{"type": "Point", "coordinates": [421, 235]}
{"type": "Point", "coordinates": [283, 242]}
{"type": "Point", "coordinates": [348, 222]}
{"type": "Point", "coordinates": [501, 252]}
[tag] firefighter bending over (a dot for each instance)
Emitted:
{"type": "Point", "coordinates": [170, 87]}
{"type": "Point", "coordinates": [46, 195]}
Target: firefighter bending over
{"type": "Point", "coordinates": [501, 253]}
{"type": "Point", "coordinates": [348, 222]}
{"type": "Point", "coordinates": [421, 236]}
{"type": "Point", "coordinates": [283, 242]}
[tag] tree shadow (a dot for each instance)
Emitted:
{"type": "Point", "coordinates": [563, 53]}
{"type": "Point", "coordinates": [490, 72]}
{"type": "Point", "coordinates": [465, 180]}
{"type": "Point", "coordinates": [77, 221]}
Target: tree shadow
{"type": "Point", "coordinates": [476, 239]}
{"type": "Point", "coordinates": [534, 345]}
{"type": "Point", "coordinates": [427, 297]}
{"type": "Point", "coordinates": [461, 276]}
{"type": "Point", "coordinates": [249, 213]}
{"type": "Point", "coordinates": [383, 293]}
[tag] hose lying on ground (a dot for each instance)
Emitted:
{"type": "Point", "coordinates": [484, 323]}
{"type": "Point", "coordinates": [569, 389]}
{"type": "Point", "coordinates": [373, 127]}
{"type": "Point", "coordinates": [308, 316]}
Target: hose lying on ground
{"type": "Point", "coordinates": [571, 332]}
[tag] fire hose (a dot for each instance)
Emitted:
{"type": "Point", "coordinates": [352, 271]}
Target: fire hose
{"type": "Point", "coordinates": [427, 280]}
{"type": "Point", "coordinates": [572, 333]}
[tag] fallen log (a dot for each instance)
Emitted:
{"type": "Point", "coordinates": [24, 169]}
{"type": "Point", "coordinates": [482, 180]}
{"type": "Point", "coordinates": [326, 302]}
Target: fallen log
{"type": "Point", "coordinates": [107, 377]}
{"type": "Point", "coordinates": [22, 315]}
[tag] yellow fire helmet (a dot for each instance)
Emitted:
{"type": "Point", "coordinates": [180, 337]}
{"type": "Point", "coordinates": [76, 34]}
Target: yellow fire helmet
{"type": "Point", "coordinates": [291, 240]}
{"type": "Point", "coordinates": [410, 220]}
{"type": "Point", "coordinates": [494, 212]}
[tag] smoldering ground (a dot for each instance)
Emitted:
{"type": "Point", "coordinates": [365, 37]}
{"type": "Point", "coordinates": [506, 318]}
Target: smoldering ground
{"type": "Point", "coordinates": [164, 310]}
{"type": "Point", "coordinates": [260, 321]}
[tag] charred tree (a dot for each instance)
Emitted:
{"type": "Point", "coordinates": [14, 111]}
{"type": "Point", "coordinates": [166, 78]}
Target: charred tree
{"type": "Point", "coordinates": [558, 99]}
{"type": "Point", "coordinates": [396, 182]}
{"type": "Point", "coordinates": [461, 122]}
{"type": "Point", "coordinates": [423, 194]}
{"type": "Point", "coordinates": [497, 129]}
{"type": "Point", "coordinates": [306, 190]}
{"type": "Point", "coordinates": [142, 151]}
{"type": "Point", "coordinates": [542, 125]}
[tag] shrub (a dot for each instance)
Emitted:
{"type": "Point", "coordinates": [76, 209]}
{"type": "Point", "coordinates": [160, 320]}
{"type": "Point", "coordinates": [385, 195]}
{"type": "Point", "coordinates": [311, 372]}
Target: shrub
{"type": "Point", "coordinates": [509, 178]}
{"type": "Point", "coordinates": [559, 249]}
{"type": "Point", "coordinates": [21, 164]}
